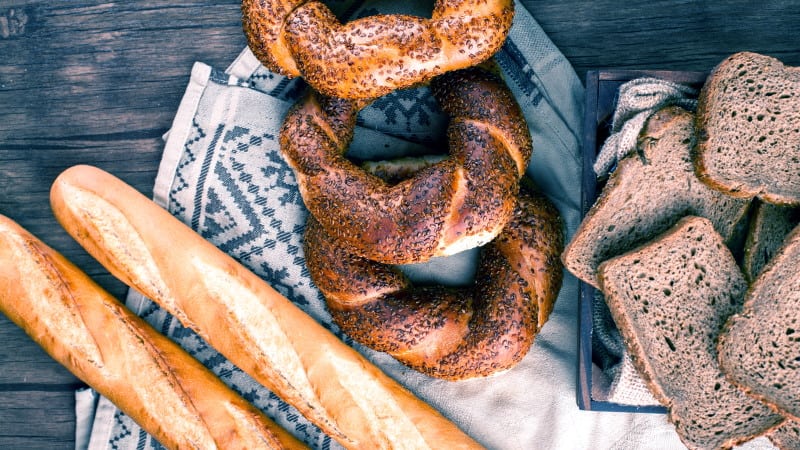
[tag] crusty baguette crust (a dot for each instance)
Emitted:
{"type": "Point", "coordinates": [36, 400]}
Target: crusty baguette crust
{"type": "Point", "coordinates": [118, 354]}
{"type": "Point", "coordinates": [244, 318]}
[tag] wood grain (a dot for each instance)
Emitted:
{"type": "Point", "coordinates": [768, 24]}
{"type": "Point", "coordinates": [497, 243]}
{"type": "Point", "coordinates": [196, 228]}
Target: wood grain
{"type": "Point", "coordinates": [51, 426]}
{"type": "Point", "coordinates": [667, 35]}
{"type": "Point", "coordinates": [99, 82]}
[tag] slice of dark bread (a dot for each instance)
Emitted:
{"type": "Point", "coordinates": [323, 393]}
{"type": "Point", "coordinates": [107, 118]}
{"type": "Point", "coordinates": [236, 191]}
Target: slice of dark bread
{"type": "Point", "coordinates": [748, 123]}
{"type": "Point", "coordinates": [670, 299]}
{"type": "Point", "coordinates": [647, 194]}
{"type": "Point", "coordinates": [787, 436]}
{"type": "Point", "coordinates": [759, 350]}
{"type": "Point", "coordinates": [769, 225]}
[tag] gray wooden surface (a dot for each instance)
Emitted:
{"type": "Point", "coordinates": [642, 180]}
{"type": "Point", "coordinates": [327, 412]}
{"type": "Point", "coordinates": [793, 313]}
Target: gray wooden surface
{"type": "Point", "coordinates": [98, 82]}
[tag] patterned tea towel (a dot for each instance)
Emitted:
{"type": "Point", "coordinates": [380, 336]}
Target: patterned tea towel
{"type": "Point", "coordinates": [222, 174]}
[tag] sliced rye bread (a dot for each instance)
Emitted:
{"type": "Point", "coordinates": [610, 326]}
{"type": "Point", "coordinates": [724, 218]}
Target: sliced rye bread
{"type": "Point", "coordinates": [769, 225]}
{"type": "Point", "coordinates": [759, 349]}
{"type": "Point", "coordinates": [786, 436]}
{"type": "Point", "coordinates": [748, 123]}
{"type": "Point", "coordinates": [670, 299]}
{"type": "Point", "coordinates": [646, 194]}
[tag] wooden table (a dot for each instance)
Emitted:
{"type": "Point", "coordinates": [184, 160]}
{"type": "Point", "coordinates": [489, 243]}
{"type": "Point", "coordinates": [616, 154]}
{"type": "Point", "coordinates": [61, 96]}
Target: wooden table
{"type": "Point", "coordinates": [99, 82]}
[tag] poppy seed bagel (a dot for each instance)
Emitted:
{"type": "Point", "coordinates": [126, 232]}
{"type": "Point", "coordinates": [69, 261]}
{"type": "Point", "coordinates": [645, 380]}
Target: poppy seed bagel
{"type": "Point", "coordinates": [446, 332]}
{"type": "Point", "coordinates": [459, 203]}
{"type": "Point", "coordinates": [374, 55]}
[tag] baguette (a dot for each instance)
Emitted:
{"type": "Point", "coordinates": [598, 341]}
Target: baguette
{"type": "Point", "coordinates": [122, 357]}
{"type": "Point", "coordinates": [244, 318]}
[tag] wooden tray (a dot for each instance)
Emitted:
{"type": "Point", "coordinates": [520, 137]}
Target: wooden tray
{"type": "Point", "coordinates": [601, 94]}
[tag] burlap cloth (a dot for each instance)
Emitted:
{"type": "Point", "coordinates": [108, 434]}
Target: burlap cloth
{"type": "Point", "coordinates": [222, 174]}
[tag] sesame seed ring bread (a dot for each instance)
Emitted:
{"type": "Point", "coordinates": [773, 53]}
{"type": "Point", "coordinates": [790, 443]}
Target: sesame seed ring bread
{"type": "Point", "coordinates": [372, 56]}
{"type": "Point", "coordinates": [449, 333]}
{"type": "Point", "coordinates": [458, 203]}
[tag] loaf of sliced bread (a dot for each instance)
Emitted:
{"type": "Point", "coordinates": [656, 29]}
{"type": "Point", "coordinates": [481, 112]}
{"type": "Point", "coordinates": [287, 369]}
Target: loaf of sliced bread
{"type": "Point", "coordinates": [769, 225]}
{"type": "Point", "coordinates": [670, 299]}
{"type": "Point", "coordinates": [759, 350]}
{"type": "Point", "coordinates": [647, 194]}
{"type": "Point", "coordinates": [748, 122]}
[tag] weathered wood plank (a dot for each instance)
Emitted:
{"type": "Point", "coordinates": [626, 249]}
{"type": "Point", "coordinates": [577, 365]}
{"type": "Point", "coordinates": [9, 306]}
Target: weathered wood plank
{"type": "Point", "coordinates": [37, 420]}
{"type": "Point", "coordinates": [26, 363]}
{"type": "Point", "coordinates": [86, 82]}
{"type": "Point", "coordinates": [98, 83]}
{"type": "Point", "coordinates": [667, 35]}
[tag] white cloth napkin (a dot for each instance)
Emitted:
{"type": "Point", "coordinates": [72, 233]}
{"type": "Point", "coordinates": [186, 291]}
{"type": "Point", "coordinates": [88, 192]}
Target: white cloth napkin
{"type": "Point", "coordinates": [222, 174]}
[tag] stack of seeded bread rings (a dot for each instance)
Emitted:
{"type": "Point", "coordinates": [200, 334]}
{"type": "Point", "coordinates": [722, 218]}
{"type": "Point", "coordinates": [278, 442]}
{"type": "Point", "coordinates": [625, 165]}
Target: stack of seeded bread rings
{"type": "Point", "coordinates": [362, 223]}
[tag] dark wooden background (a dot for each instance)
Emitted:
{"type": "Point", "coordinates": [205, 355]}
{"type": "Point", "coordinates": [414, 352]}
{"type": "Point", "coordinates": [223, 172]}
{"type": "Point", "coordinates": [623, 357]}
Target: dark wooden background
{"type": "Point", "coordinates": [99, 82]}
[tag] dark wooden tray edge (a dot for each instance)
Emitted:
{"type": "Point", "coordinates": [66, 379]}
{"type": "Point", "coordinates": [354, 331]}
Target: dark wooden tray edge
{"type": "Point", "coordinates": [598, 84]}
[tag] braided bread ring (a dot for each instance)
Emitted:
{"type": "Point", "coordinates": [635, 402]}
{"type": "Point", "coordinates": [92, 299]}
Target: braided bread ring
{"type": "Point", "coordinates": [372, 56]}
{"type": "Point", "coordinates": [459, 203]}
{"type": "Point", "coordinates": [446, 332]}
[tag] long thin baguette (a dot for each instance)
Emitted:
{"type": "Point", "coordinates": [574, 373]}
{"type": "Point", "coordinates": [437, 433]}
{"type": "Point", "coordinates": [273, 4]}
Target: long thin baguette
{"type": "Point", "coordinates": [168, 393]}
{"type": "Point", "coordinates": [244, 318]}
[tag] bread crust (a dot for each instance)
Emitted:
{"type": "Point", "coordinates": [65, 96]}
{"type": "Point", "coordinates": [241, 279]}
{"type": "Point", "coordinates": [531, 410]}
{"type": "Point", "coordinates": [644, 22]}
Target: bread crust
{"type": "Point", "coordinates": [372, 56]}
{"type": "Point", "coordinates": [458, 203]}
{"type": "Point", "coordinates": [122, 357]}
{"type": "Point", "coordinates": [449, 333]}
{"type": "Point", "coordinates": [787, 436]}
{"type": "Point", "coordinates": [243, 318]}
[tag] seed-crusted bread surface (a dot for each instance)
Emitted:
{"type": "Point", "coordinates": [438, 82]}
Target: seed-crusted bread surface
{"type": "Point", "coordinates": [670, 299]}
{"type": "Point", "coordinates": [760, 347]}
{"type": "Point", "coordinates": [769, 225]}
{"type": "Point", "coordinates": [647, 194]}
{"type": "Point", "coordinates": [748, 122]}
